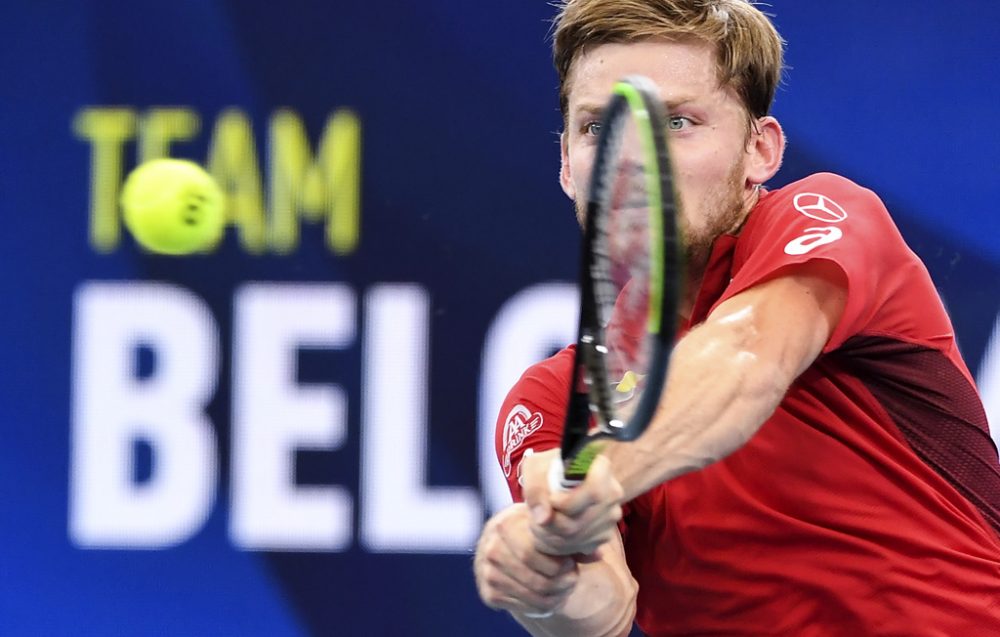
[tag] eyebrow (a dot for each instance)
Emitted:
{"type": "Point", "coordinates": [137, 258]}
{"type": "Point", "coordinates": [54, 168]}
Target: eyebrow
{"type": "Point", "coordinates": [592, 108]}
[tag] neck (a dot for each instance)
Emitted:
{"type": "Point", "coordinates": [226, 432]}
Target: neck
{"type": "Point", "coordinates": [750, 200]}
{"type": "Point", "coordinates": [698, 263]}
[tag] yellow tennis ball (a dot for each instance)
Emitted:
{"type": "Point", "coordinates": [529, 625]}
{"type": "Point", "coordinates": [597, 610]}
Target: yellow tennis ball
{"type": "Point", "coordinates": [172, 206]}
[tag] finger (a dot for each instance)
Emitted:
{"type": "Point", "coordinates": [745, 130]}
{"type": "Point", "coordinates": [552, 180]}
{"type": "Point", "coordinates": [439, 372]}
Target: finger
{"type": "Point", "coordinates": [572, 548]}
{"type": "Point", "coordinates": [518, 561]}
{"type": "Point", "coordinates": [564, 526]}
{"type": "Point", "coordinates": [575, 501]}
{"type": "Point", "coordinates": [514, 531]}
{"type": "Point", "coordinates": [590, 539]}
{"type": "Point", "coordinates": [602, 522]}
{"type": "Point", "coordinates": [566, 536]}
{"type": "Point", "coordinates": [547, 565]}
{"type": "Point", "coordinates": [500, 591]}
{"type": "Point", "coordinates": [536, 490]}
{"type": "Point", "coordinates": [600, 486]}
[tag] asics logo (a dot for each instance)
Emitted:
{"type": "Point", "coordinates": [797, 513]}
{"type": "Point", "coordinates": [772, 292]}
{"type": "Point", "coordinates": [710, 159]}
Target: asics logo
{"type": "Point", "coordinates": [812, 239]}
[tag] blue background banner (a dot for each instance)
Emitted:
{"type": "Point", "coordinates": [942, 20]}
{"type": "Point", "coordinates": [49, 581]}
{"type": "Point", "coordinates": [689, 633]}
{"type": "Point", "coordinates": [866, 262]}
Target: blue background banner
{"type": "Point", "coordinates": [291, 435]}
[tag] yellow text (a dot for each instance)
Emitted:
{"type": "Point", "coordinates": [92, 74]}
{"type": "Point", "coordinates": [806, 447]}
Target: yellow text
{"type": "Point", "coordinates": [318, 187]}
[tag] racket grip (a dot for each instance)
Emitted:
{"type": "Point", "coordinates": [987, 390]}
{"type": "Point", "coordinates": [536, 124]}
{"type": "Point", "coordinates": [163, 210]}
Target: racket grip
{"type": "Point", "coordinates": [557, 477]}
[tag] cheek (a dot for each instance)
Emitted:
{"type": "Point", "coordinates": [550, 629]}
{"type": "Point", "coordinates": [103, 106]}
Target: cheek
{"type": "Point", "coordinates": [691, 185]}
{"type": "Point", "coordinates": [580, 166]}
{"type": "Point", "coordinates": [700, 177]}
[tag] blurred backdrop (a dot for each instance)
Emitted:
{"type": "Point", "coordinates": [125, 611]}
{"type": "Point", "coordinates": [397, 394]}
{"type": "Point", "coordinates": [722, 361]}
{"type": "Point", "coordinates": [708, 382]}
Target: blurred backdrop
{"type": "Point", "coordinates": [292, 435]}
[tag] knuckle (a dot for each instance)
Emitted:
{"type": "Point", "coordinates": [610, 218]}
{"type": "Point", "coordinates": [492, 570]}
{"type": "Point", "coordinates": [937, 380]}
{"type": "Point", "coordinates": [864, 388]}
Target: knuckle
{"type": "Point", "coordinates": [522, 552]}
{"type": "Point", "coordinates": [617, 491]}
{"type": "Point", "coordinates": [486, 576]}
{"type": "Point", "coordinates": [492, 580]}
{"type": "Point", "coordinates": [550, 547]}
{"type": "Point", "coordinates": [492, 599]}
{"type": "Point", "coordinates": [491, 549]}
{"type": "Point", "coordinates": [564, 526]}
{"type": "Point", "coordinates": [501, 526]}
{"type": "Point", "coordinates": [606, 490]}
{"type": "Point", "coordinates": [537, 585]}
{"type": "Point", "coordinates": [541, 536]}
{"type": "Point", "coordinates": [549, 585]}
{"type": "Point", "coordinates": [553, 588]}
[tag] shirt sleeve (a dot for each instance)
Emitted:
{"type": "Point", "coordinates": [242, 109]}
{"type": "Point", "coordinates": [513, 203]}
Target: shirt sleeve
{"type": "Point", "coordinates": [531, 418]}
{"type": "Point", "coordinates": [825, 217]}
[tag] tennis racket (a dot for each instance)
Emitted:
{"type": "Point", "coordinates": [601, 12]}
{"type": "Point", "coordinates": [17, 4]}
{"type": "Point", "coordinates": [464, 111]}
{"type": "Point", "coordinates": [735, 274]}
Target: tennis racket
{"type": "Point", "coordinates": [631, 281]}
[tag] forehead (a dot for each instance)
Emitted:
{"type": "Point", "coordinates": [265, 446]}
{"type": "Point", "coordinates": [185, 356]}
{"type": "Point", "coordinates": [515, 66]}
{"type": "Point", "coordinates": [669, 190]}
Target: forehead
{"type": "Point", "coordinates": [683, 70]}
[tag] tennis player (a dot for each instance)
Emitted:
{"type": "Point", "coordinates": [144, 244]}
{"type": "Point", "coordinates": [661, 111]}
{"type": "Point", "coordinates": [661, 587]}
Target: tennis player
{"type": "Point", "coordinates": [820, 463]}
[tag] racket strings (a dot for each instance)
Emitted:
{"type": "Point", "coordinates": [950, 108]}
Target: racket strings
{"type": "Point", "coordinates": [628, 249]}
{"type": "Point", "coordinates": [623, 350]}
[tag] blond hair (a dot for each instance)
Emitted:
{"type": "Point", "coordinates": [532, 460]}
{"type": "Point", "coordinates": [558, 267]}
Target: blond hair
{"type": "Point", "coordinates": [749, 51]}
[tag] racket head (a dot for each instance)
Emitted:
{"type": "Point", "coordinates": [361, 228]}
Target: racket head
{"type": "Point", "coordinates": [631, 279]}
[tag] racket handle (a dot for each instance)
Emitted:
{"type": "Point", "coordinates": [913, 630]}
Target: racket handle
{"type": "Point", "coordinates": [557, 477]}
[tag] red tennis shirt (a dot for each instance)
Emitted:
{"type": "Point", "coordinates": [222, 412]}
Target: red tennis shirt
{"type": "Point", "coordinates": [868, 504]}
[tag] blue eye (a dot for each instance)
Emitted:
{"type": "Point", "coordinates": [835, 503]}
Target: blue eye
{"type": "Point", "coordinates": [677, 122]}
{"type": "Point", "coordinates": [592, 128]}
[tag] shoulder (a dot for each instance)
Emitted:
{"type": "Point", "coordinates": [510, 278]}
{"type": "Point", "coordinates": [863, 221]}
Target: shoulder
{"type": "Point", "coordinates": [830, 182]}
{"type": "Point", "coordinates": [554, 369]}
{"type": "Point", "coordinates": [533, 413]}
{"type": "Point", "coordinates": [538, 397]}
{"type": "Point", "coordinates": [824, 183]}
{"type": "Point", "coordinates": [817, 210]}
{"type": "Point", "coordinates": [822, 198]}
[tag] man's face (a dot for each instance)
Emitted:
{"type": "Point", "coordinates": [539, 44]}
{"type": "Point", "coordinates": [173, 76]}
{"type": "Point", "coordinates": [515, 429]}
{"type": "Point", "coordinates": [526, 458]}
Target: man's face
{"type": "Point", "coordinates": [707, 131]}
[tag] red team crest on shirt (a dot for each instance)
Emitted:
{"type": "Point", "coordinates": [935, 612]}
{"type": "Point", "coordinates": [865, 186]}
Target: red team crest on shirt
{"type": "Point", "coordinates": [520, 424]}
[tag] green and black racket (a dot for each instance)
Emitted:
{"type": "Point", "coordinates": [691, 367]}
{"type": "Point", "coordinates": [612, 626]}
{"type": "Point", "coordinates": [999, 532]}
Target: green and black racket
{"type": "Point", "coordinates": [631, 280]}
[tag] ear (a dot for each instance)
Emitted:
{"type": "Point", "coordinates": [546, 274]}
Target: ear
{"type": "Point", "coordinates": [765, 150]}
{"type": "Point", "coordinates": [565, 175]}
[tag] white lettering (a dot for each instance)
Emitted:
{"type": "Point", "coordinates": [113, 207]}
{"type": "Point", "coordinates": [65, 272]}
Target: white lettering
{"type": "Point", "coordinates": [812, 239]}
{"type": "Point", "coordinates": [273, 417]}
{"type": "Point", "coordinates": [400, 513]}
{"type": "Point", "coordinates": [146, 363]}
{"type": "Point", "coordinates": [113, 408]}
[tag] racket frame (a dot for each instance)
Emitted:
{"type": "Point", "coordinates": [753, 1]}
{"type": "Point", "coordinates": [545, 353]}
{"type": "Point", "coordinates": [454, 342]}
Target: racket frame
{"type": "Point", "coordinates": [590, 398]}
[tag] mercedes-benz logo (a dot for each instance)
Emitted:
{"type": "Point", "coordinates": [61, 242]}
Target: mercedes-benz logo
{"type": "Point", "coordinates": [819, 207]}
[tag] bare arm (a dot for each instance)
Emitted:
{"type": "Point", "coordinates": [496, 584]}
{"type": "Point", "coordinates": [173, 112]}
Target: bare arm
{"type": "Point", "coordinates": [727, 377]}
{"type": "Point", "coordinates": [592, 597]}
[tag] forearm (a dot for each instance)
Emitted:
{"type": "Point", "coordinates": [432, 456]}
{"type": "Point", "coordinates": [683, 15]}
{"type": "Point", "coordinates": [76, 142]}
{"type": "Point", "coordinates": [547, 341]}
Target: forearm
{"type": "Point", "coordinates": [718, 395]}
{"type": "Point", "coordinates": [601, 605]}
